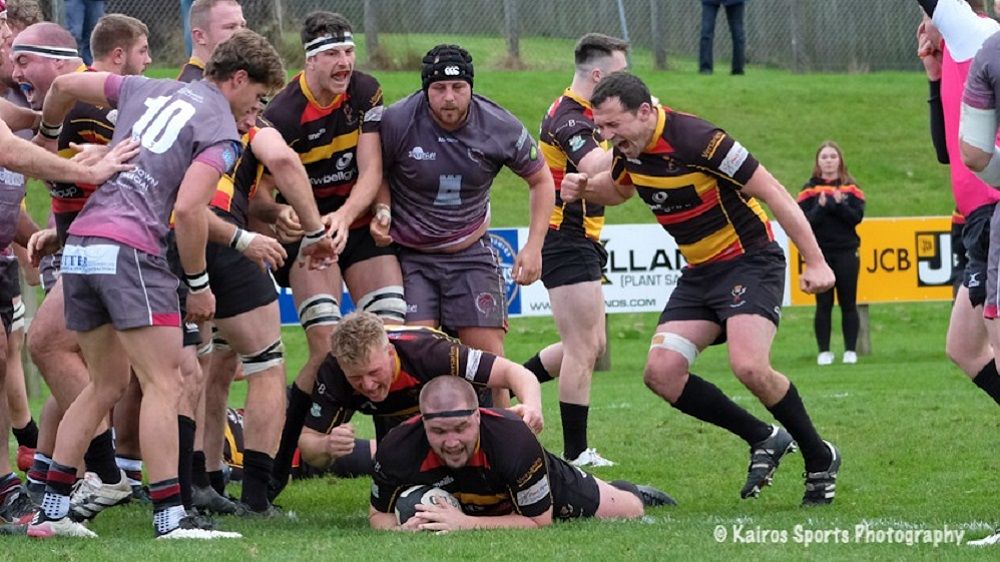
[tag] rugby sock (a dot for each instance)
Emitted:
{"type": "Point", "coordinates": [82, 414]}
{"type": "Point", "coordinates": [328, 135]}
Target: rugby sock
{"type": "Point", "coordinates": [358, 463]}
{"type": "Point", "coordinates": [703, 400]}
{"type": "Point", "coordinates": [989, 380]}
{"type": "Point", "coordinates": [791, 413]}
{"type": "Point", "coordinates": [535, 366]}
{"type": "Point", "coordinates": [167, 508]}
{"type": "Point", "coordinates": [27, 436]}
{"type": "Point", "coordinates": [57, 491]}
{"type": "Point", "coordinates": [627, 486]}
{"type": "Point", "coordinates": [574, 428]}
{"type": "Point", "coordinates": [298, 406]}
{"type": "Point", "coordinates": [132, 469]}
{"type": "Point", "coordinates": [100, 458]}
{"type": "Point", "coordinates": [257, 467]}
{"type": "Point", "coordinates": [185, 449]}
{"type": "Point", "coordinates": [39, 471]}
{"type": "Point", "coordinates": [199, 474]}
{"type": "Point", "coordinates": [8, 484]}
{"type": "Point", "coordinates": [218, 481]}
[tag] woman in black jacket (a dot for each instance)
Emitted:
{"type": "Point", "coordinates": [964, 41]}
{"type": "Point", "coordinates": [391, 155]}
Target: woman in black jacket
{"type": "Point", "coordinates": [835, 205]}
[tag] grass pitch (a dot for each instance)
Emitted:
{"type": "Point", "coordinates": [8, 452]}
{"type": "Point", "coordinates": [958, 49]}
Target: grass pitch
{"type": "Point", "coordinates": [919, 440]}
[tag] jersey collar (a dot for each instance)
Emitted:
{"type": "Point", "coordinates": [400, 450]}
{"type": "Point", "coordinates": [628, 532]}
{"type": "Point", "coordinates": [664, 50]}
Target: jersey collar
{"type": "Point", "coordinates": [659, 145]}
{"type": "Point", "coordinates": [337, 100]}
{"type": "Point", "coordinates": [195, 61]}
{"type": "Point", "coordinates": [569, 93]}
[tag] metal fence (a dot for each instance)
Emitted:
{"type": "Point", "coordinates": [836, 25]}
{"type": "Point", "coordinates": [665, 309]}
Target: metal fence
{"type": "Point", "coordinates": [802, 35]}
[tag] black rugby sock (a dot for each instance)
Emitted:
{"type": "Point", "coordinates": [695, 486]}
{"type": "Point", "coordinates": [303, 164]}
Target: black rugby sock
{"type": "Point", "coordinates": [257, 467]}
{"type": "Point", "coordinates": [574, 428]}
{"type": "Point", "coordinates": [26, 436]}
{"type": "Point", "coordinates": [218, 480]}
{"type": "Point", "coordinates": [295, 416]}
{"type": "Point", "coordinates": [703, 400]}
{"type": "Point", "coordinates": [100, 458]}
{"type": "Point", "coordinates": [791, 413]}
{"type": "Point", "coordinates": [358, 463]}
{"type": "Point", "coordinates": [535, 366]}
{"type": "Point", "coordinates": [199, 475]}
{"type": "Point", "coordinates": [989, 380]}
{"type": "Point", "coordinates": [185, 450]}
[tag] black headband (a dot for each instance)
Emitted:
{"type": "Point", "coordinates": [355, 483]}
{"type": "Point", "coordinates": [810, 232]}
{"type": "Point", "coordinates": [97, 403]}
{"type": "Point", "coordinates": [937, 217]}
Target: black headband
{"type": "Point", "coordinates": [446, 62]}
{"type": "Point", "coordinates": [450, 414]}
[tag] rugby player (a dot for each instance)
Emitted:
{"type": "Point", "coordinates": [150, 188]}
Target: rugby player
{"type": "Point", "coordinates": [329, 115]}
{"type": "Point", "coordinates": [703, 186]}
{"type": "Point", "coordinates": [212, 22]}
{"type": "Point", "coordinates": [120, 46]}
{"type": "Point", "coordinates": [188, 140]}
{"type": "Point", "coordinates": [442, 146]}
{"type": "Point", "coordinates": [494, 465]}
{"type": "Point", "coordinates": [573, 258]}
{"type": "Point", "coordinates": [972, 341]}
{"type": "Point", "coordinates": [958, 32]}
{"type": "Point", "coordinates": [21, 158]}
{"type": "Point", "coordinates": [247, 314]}
{"type": "Point", "coordinates": [379, 370]}
{"type": "Point", "coordinates": [20, 14]}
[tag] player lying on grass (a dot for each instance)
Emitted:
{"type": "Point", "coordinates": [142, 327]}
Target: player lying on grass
{"type": "Point", "coordinates": [494, 465]}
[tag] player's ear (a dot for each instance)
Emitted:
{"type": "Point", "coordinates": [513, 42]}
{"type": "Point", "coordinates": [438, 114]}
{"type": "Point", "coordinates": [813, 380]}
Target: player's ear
{"type": "Point", "coordinates": [118, 56]}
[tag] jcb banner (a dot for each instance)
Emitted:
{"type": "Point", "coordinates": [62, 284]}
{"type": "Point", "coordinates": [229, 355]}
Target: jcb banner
{"type": "Point", "coordinates": [902, 259]}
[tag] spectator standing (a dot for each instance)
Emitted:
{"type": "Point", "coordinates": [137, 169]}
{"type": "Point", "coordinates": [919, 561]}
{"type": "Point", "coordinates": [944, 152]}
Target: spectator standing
{"type": "Point", "coordinates": [835, 205]}
{"type": "Point", "coordinates": [81, 17]}
{"type": "Point", "coordinates": [734, 15]}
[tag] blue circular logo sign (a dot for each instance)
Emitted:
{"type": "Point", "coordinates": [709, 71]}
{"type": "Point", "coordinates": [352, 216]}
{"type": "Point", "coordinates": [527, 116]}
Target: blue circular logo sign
{"type": "Point", "coordinates": [505, 255]}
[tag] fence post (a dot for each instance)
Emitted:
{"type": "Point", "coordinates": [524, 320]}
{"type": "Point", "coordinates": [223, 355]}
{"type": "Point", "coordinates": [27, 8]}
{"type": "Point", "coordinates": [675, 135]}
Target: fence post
{"type": "Point", "coordinates": [371, 32]}
{"type": "Point", "coordinates": [656, 30]}
{"type": "Point", "coordinates": [794, 20]}
{"type": "Point", "coordinates": [512, 29]}
{"type": "Point", "coordinates": [864, 343]}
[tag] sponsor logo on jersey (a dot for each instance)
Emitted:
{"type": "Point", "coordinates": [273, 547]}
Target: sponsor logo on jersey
{"type": "Point", "coordinates": [338, 177]}
{"type": "Point", "coordinates": [417, 153]}
{"type": "Point", "coordinates": [576, 143]}
{"type": "Point", "coordinates": [345, 160]}
{"type": "Point", "coordinates": [317, 134]}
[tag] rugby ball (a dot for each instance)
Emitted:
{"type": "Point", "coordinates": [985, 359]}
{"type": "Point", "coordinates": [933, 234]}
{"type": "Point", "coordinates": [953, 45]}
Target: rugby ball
{"type": "Point", "coordinates": [406, 504]}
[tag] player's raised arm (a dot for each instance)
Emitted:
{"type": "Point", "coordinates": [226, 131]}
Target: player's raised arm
{"type": "Point", "coordinates": [89, 87]}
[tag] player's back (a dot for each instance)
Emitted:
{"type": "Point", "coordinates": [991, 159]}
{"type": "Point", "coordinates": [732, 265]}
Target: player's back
{"type": "Point", "coordinates": [174, 122]}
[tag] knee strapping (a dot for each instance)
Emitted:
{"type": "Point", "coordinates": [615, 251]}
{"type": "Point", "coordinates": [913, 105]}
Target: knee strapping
{"type": "Point", "coordinates": [17, 322]}
{"type": "Point", "coordinates": [387, 303]}
{"type": "Point", "coordinates": [319, 310]}
{"type": "Point", "coordinates": [264, 359]}
{"type": "Point", "coordinates": [677, 344]}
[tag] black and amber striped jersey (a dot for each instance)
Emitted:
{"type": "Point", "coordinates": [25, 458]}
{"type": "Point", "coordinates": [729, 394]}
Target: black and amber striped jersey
{"type": "Point", "coordinates": [193, 70]}
{"type": "Point", "coordinates": [326, 137]}
{"type": "Point", "coordinates": [421, 355]}
{"type": "Point", "coordinates": [85, 123]}
{"type": "Point", "coordinates": [834, 222]}
{"type": "Point", "coordinates": [567, 135]}
{"type": "Point", "coordinates": [509, 472]}
{"type": "Point", "coordinates": [691, 175]}
{"type": "Point", "coordinates": [232, 196]}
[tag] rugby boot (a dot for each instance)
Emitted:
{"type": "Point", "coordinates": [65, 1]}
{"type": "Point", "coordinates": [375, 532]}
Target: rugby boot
{"type": "Point", "coordinates": [764, 459]}
{"type": "Point", "coordinates": [822, 486]}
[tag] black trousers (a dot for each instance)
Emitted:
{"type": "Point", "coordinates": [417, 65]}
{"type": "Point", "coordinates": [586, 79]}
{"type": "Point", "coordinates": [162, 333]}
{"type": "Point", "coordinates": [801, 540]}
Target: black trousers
{"type": "Point", "coordinates": [845, 265]}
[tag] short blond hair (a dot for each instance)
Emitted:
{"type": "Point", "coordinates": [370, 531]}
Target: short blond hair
{"type": "Point", "coordinates": [355, 336]}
